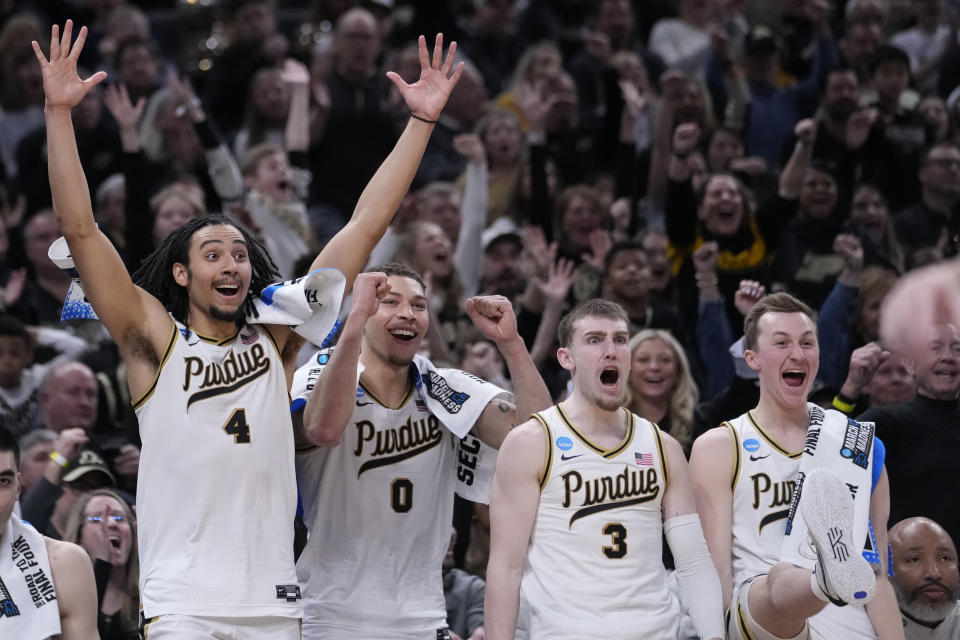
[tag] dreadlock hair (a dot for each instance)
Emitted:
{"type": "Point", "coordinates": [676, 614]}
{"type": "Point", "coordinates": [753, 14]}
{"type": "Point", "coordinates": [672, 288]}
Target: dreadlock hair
{"type": "Point", "coordinates": [155, 275]}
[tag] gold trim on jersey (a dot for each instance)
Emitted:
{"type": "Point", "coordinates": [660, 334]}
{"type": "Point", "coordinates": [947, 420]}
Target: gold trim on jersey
{"type": "Point", "coordinates": [273, 341]}
{"type": "Point", "coordinates": [403, 403]}
{"type": "Point", "coordinates": [608, 454]}
{"type": "Point", "coordinates": [742, 623]}
{"type": "Point", "coordinates": [166, 355]}
{"type": "Point", "coordinates": [736, 456]}
{"type": "Point", "coordinates": [548, 461]}
{"type": "Point", "coordinates": [773, 443]}
{"type": "Point", "coordinates": [217, 341]}
{"type": "Point", "coordinates": [663, 454]}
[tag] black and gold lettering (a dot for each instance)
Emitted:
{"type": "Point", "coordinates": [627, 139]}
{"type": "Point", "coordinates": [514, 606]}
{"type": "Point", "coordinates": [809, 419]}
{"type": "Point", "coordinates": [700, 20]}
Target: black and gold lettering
{"type": "Point", "coordinates": [394, 444]}
{"type": "Point", "coordinates": [236, 370]}
{"type": "Point", "coordinates": [594, 495]}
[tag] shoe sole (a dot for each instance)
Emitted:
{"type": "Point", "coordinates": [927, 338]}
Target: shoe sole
{"type": "Point", "coordinates": [828, 513]}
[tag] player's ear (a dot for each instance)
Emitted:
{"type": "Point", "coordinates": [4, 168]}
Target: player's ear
{"type": "Point", "coordinates": [751, 358]}
{"type": "Point", "coordinates": [181, 274]}
{"type": "Point", "coordinates": [564, 358]}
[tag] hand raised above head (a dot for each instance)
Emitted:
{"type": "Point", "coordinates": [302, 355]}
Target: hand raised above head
{"type": "Point", "coordinates": [493, 316]}
{"type": "Point", "coordinates": [368, 289]}
{"type": "Point", "coordinates": [426, 97]}
{"type": "Point", "coordinates": [62, 87]}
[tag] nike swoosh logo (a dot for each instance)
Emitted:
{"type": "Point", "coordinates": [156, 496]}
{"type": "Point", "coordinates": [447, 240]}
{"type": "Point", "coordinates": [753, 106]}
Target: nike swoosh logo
{"type": "Point", "coordinates": [566, 457]}
{"type": "Point", "coordinates": [363, 404]}
{"type": "Point", "coordinates": [755, 458]}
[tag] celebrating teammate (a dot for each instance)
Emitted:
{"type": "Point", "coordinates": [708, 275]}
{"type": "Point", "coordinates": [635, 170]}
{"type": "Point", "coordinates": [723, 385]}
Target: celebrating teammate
{"type": "Point", "coordinates": [583, 492]}
{"type": "Point", "coordinates": [752, 477]}
{"type": "Point", "coordinates": [46, 586]}
{"type": "Point", "coordinates": [378, 492]}
{"type": "Point", "coordinates": [216, 491]}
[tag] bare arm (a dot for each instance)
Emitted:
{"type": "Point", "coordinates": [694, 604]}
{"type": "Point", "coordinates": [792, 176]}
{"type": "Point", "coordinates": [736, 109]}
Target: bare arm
{"type": "Point", "coordinates": [473, 211]}
{"type": "Point", "coordinates": [883, 611]}
{"type": "Point", "coordinates": [711, 462]}
{"type": "Point", "coordinates": [513, 510]}
{"type": "Point", "coordinates": [791, 178]}
{"type": "Point", "coordinates": [296, 134]}
{"type": "Point", "coordinates": [331, 403]}
{"type": "Point", "coordinates": [72, 574]}
{"type": "Point", "coordinates": [130, 314]}
{"type": "Point", "coordinates": [348, 250]}
{"type": "Point", "coordinates": [493, 315]}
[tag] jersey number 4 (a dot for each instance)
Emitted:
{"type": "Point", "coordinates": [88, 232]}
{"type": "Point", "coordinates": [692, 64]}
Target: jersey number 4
{"type": "Point", "coordinates": [236, 426]}
{"type": "Point", "coordinates": [618, 535]}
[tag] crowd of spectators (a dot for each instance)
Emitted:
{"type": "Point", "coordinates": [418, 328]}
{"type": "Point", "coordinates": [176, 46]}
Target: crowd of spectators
{"type": "Point", "coordinates": [680, 158]}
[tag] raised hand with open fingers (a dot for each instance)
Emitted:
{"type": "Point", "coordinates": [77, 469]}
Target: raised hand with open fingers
{"type": "Point", "coordinates": [122, 108]}
{"type": "Point", "coordinates": [63, 88]}
{"type": "Point", "coordinates": [426, 97]}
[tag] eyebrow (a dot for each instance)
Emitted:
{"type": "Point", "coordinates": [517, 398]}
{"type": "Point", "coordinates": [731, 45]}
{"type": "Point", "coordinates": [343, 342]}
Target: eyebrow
{"type": "Point", "coordinates": [397, 294]}
{"type": "Point", "coordinates": [7, 473]}
{"type": "Point", "coordinates": [603, 334]}
{"type": "Point", "coordinates": [784, 333]}
{"type": "Point", "coordinates": [216, 241]}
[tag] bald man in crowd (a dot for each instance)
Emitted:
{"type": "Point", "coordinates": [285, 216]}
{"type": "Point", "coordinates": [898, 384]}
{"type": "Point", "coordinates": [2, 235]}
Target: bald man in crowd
{"type": "Point", "coordinates": [926, 579]}
{"type": "Point", "coordinates": [68, 398]}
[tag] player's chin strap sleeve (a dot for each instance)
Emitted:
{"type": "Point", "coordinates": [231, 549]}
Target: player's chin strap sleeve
{"type": "Point", "coordinates": [698, 577]}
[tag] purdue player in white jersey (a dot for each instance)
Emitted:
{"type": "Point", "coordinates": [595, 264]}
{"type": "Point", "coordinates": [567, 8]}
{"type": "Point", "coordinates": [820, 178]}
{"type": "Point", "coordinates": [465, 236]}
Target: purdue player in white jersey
{"type": "Point", "coordinates": [378, 492]}
{"type": "Point", "coordinates": [744, 475]}
{"type": "Point", "coordinates": [218, 444]}
{"type": "Point", "coordinates": [581, 495]}
{"type": "Point", "coordinates": [34, 605]}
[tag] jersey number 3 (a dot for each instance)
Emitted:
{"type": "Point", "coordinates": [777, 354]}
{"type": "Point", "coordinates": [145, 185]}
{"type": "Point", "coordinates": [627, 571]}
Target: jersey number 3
{"type": "Point", "coordinates": [618, 535]}
{"type": "Point", "coordinates": [236, 426]}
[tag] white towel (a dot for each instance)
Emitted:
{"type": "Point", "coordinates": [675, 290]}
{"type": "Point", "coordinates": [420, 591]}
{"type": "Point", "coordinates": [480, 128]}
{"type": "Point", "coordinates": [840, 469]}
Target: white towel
{"type": "Point", "coordinates": [845, 447]}
{"type": "Point", "coordinates": [28, 602]}
{"type": "Point", "coordinates": [309, 304]}
{"type": "Point", "coordinates": [456, 398]}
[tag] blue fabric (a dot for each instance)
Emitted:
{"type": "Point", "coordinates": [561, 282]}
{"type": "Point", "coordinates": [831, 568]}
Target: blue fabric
{"type": "Point", "coordinates": [714, 338]}
{"type": "Point", "coordinates": [879, 456]}
{"type": "Point", "coordinates": [833, 332]}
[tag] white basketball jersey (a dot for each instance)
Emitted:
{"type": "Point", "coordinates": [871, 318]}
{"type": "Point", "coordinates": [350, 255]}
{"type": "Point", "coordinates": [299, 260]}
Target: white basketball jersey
{"type": "Point", "coordinates": [763, 482]}
{"type": "Point", "coordinates": [594, 566]}
{"type": "Point", "coordinates": [379, 508]}
{"type": "Point", "coordinates": [216, 495]}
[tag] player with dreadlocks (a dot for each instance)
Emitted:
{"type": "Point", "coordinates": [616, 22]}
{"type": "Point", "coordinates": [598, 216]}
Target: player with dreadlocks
{"type": "Point", "coordinates": [153, 276]}
{"type": "Point", "coordinates": [216, 493]}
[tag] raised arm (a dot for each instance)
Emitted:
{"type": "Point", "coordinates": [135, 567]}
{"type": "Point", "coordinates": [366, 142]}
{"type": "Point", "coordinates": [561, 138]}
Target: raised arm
{"type": "Point", "coordinates": [349, 248]}
{"type": "Point", "coordinates": [513, 509]}
{"type": "Point", "coordinates": [493, 316]}
{"type": "Point", "coordinates": [132, 316]}
{"type": "Point", "coordinates": [711, 462]}
{"type": "Point", "coordinates": [296, 134]}
{"type": "Point", "coordinates": [331, 403]}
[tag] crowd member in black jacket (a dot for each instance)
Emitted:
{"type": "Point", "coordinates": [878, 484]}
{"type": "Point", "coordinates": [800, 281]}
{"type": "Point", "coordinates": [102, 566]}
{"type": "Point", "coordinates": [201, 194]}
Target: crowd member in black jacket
{"type": "Point", "coordinates": [922, 436]}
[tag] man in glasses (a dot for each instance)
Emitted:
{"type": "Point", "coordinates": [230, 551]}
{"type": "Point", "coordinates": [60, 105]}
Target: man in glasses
{"type": "Point", "coordinates": [46, 586]}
